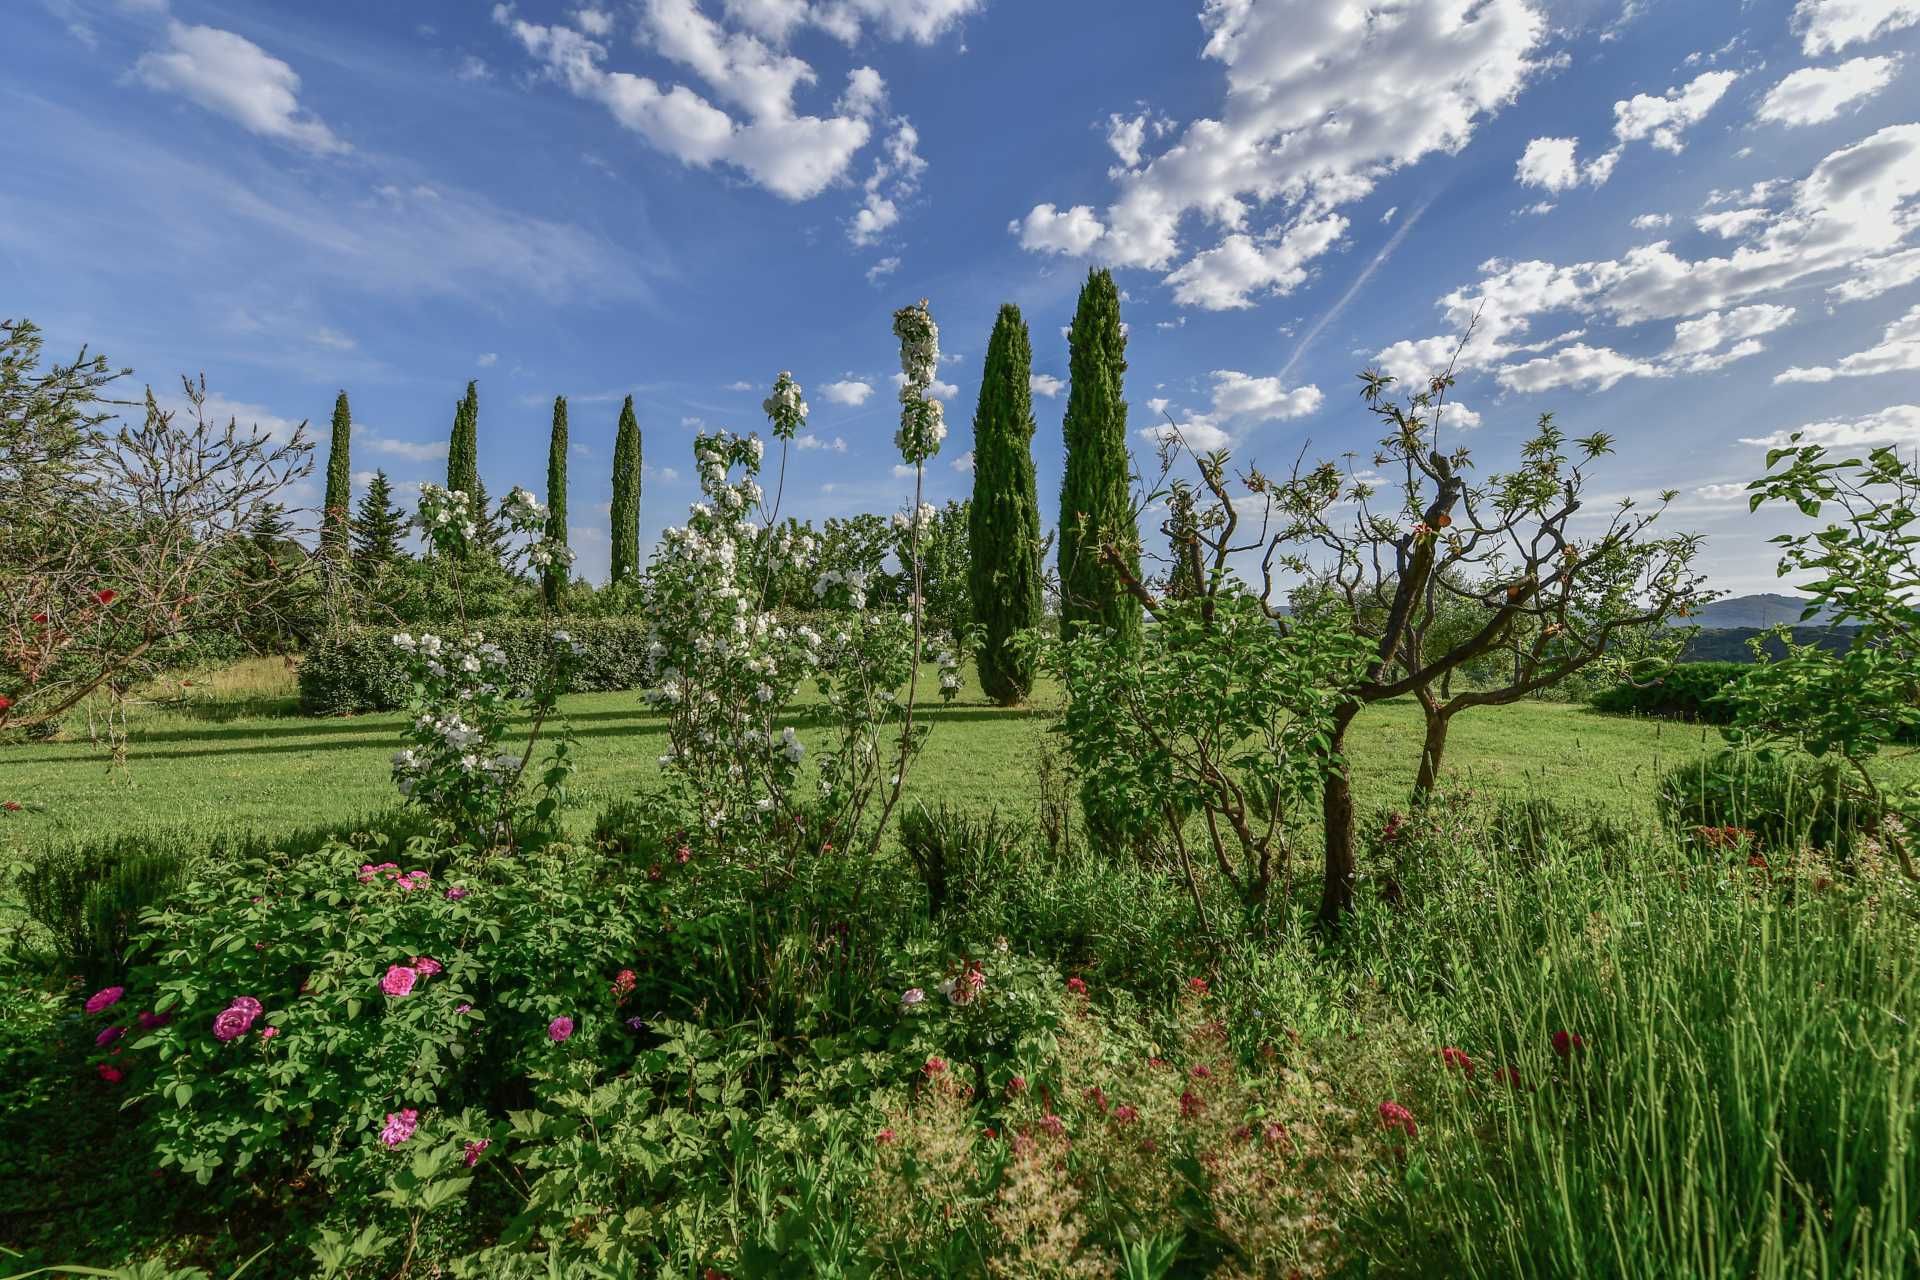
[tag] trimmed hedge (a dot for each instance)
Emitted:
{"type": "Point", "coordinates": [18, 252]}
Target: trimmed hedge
{"type": "Point", "coordinates": [1687, 691]}
{"type": "Point", "coordinates": [354, 669]}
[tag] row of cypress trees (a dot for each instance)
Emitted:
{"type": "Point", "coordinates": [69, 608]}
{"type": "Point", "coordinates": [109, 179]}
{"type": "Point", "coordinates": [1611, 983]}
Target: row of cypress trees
{"type": "Point", "coordinates": [375, 531]}
{"type": "Point", "coordinates": [1095, 510]}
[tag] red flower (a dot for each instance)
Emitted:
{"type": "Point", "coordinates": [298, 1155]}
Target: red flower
{"type": "Point", "coordinates": [883, 1137]}
{"type": "Point", "coordinates": [653, 872]}
{"type": "Point", "coordinates": [1190, 1104]}
{"type": "Point", "coordinates": [681, 854]}
{"type": "Point", "coordinates": [1097, 1096]}
{"type": "Point", "coordinates": [106, 595]}
{"type": "Point", "coordinates": [40, 618]}
{"type": "Point", "coordinates": [11, 806]}
{"type": "Point", "coordinates": [935, 1067]}
{"type": "Point", "coordinates": [1016, 1086]}
{"type": "Point", "coordinates": [5, 702]}
{"type": "Point", "coordinates": [1124, 1114]}
{"type": "Point", "coordinates": [1567, 1043]}
{"type": "Point", "coordinates": [1456, 1059]}
{"type": "Point", "coordinates": [623, 984]}
{"type": "Point", "coordinates": [1053, 1124]}
{"type": "Point", "coordinates": [1197, 985]}
{"type": "Point", "coordinates": [1395, 1116]}
{"type": "Point", "coordinates": [111, 1074]}
{"type": "Point", "coordinates": [1077, 985]}
{"type": "Point", "coordinates": [1200, 1072]}
{"type": "Point", "coordinates": [1509, 1076]}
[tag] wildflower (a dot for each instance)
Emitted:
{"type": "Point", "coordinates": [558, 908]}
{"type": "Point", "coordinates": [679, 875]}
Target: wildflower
{"type": "Point", "coordinates": [106, 595]}
{"type": "Point", "coordinates": [1456, 1060]}
{"type": "Point", "coordinates": [108, 1035]}
{"type": "Point", "coordinates": [1200, 1071]}
{"type": "Point", "coordinates": [426, 966]}
{"type": "Point", "coordinates": [1198, 986]}
{"type": "Point", "coordinates": [455, 893]}
{"type": "Point", "coordinates": [6, 703]}
{"type": "Point", "coordinates": [934, 1067]}
{"type": "Point", "coordinates": [560, 1029]}
{"type": "Point", "coordinates": [911, 997]}
{"type": "Point", "coordinates": [1053, 1124]}
{"type": "Point", "coordinates": [682, 855]}
{"type": "Point", "coordinates": [1567, 1043]}
{"type": "Point", "coordinates": [1078, 986]}
{"type": "Point", "coordinates": [636, 1024]}
{"type": "Point", "coordinates": [231, 1023]}
{"type": "Point", "coordinates": [400, 1126]}
{"type": "Point", "coordinates": [1016, 1086]}
{"type": "Point", "coordinates": [268, 1033]}
{"type": "Point", "coordinates": [461, 1008]}
{"type": "Point", "coordinates": [1275, 1134]}
{"type": "Point", "coordinates": [398, 980]}
{"type": "Point", "coordinates": [105, 998]}
{"type": "Point", "coordinates": [623, 985]}
{"type": "Point", "coordinates": [110, 1073]}
{"type": "Point", "coordinates": [1124, 1114]}
{"type": "Point", "coordinates": [11, 806]}
{"type": "Point", "coordinates": [1190, 1104]}
{"type": "Point", "coordinates": [1097, 1096]}
{"type": "Point", "coordinates": [884, 1137]}
{"type": "Point", "coordinates": [475, 1148]}
{"type": "Point", "coordinates": [1509, 1076]}
{"type": "Point", "coordinates": [1395, 1116]}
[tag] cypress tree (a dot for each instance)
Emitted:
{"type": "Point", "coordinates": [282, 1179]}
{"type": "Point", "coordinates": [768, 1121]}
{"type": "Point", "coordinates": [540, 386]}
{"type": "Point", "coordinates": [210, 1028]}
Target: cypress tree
{"type": "Point", "coordinates": [378, 526]}
{"type": "Point", "coordinates": [334, 516]}
{"type": "Point", "coordinates": [489, 538]}
{"type": "Point", "coordinates": [1003, 523]}
{"type": "Point", "coordinates": [556, 576]}
{"type": "Point", "coordinates": [1183, 537]}
{"type": "Point", "coordinates": [463, 449]}
{"type": "Point", "coordinates": [626, 497]}
{"type": "Point", "coordinates": [1093, 493]}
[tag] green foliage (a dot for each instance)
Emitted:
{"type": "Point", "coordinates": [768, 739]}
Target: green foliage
{"type": "Point", "coordinates": [625, 511]}
{"type": "Point", "coordinates": [1096, 515]}
{"type": "Point", "coordinates": [89, 897]}
{"type": "Point", "coordinates": [1003, 520]}
{"type": "Point", "coordinates": [337, 506]}
{"type": "Point", "coordinates": [946, 572]}
{"type": "Point", "coordinates": [1782, 800]}
{"type": "Point", "coordinates": [354, 669]}
{"type": "Point", "coordinates": [463, 447]}
{"type": "Point", "coordinates": [1692, 691]}
{"type": "Point", "coordinates": [378, 528]}
{"type": "Point", "coordinates": [554, 581]}
{"type": "Point", "coordinates": [955, 852]}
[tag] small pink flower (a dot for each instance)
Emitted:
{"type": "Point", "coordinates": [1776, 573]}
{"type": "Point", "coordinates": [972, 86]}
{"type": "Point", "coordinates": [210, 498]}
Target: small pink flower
{"type": "Point", "coordinates": [1078, 986]}
{"type": "Point", "coordinates": [231, 1023]}
{"type": "Point", "coordinates": [1190, 1104]}
{"type": "Point", "coordinates": [1200, 1071]}
{"type": "Point", "coordinates": [461, 1008]}
{"type": "Point", "coordinates": [934, 1067]}
{"type": "Point", "coordinates": [1275, 1134]}
{"type": "Point", "coordinates": [884, 1137]}
{"type": "Point", "coordinates": [560, 1029]}
{"type": "Point", "coordinates": [475, 1148]}
{"type": "Point", "coordinates": [247, 1005]}
{"type": "Point", "coordinates": [400, 1126]}
{"type": "Point", "coordinates": [682, 854]}
{"type": "Point", "coordinates": [623, 985]}
{"type": "Point", "coordinates": [911, 997]}
{"type": "Point", "coordinates": [1053, 1124]}
{"type": "Point", "coordinates": [111, 1074]}
{"type": "Point", "coordinates": [105, 998]}
{"type": "Point", "coordinates": [1198, 986]}
{"type": "Point", "coordinates": [1016, 1086]}
{"type": "Point", "coordinates": [425, 966]}
{"type": "Point", "coordinates": [268, 1033]}
{"type": "Point", "coordinates": [108, 1035]}
{"type": "Point", "coordinates": [1097, 1096]}
{"type": "Point", "coordinates": [456, 893]}
{"type": "Point", "coordinates": [1124, 1114]}
{"type": "Point", "coordinates": [1395, 1116]}
{"type": "Point", "coordinates": [398, 980]}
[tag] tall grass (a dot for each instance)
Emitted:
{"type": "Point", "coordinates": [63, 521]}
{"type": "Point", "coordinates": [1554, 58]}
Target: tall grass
{"type": "Point", "coordinates": [1745, 1101]}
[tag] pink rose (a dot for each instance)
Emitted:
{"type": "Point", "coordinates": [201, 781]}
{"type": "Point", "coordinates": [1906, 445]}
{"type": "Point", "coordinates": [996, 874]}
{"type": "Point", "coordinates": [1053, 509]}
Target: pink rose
{"type": "Point", "coordinates": [427, 966]}
{"type": "Point", "coordinates": [108, 1035]}
{"type": "Point", "coordinates": [105, 998]}
{"type": "Point", "coordinates": [399, 980]}
{"type": "Point", "coordinates": [475, 1148]}
{"type": "Point", "coordinates": [246, 1004]}
{"type": "Point", "coordinates": [400, 1126]}
{"type": "Point", "coordinates": [560, 1029]}
{"type": "Point", "coordinates": [231, 1023]}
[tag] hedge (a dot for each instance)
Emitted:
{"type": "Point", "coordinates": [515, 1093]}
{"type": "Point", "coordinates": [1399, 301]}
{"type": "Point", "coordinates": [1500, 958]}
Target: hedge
{"type": "Point", "coordinates": [357, 668]}
{"type": "Point", "coordinates": [1687, 691]}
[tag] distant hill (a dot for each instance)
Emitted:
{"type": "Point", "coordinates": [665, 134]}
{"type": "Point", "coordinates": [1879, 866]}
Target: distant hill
{"type": "Point", "coordinates": [1730, 644]}
{"type": "Point", "coordinates": [1766, 609]}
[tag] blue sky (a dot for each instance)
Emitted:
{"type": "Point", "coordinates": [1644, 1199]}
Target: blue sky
{"type": "Point", "coordinates": [1694, 225]}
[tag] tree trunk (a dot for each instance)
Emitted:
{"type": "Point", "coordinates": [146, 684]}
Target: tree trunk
{"type": "Point", "coordinates": [1431, 752]}
{"type": "Point", "coordinates": [1336, 809]}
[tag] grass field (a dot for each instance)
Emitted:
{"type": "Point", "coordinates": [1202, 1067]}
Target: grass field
{"type": "Point", "coordinates": [230, 753]}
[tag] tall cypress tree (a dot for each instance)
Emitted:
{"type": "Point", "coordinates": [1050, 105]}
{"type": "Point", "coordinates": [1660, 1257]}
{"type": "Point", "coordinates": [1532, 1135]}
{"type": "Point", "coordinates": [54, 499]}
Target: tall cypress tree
{"type": "Point", "coordinates": [378, 526]}
{"type": "Point", "coordinates": [556, 575]}
{"type": "Point", "coordinates": [335, 515]}
{"type": "Point", "coordinates": [626, 497]}
{"type": "Point", "coordinates": [1093, 493]}
{"type": "Point", "coordinates": [1003, 524]}
{"type": "Point", "coordinates": [1183, 543]}
{"type": "Point", "coordinates": [463, 449]}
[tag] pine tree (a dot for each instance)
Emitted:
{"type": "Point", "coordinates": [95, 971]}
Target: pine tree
{"type": "Point", "coordinates": [556, 575]}
{"type": "Point", "coordinates": [1093, 493]}
{"type": "Point", "coordinates": [626, 497]}
{"type": "Point", "coordinates": [1003, 525]}
{"type": "Point", "coordinates": [463, 449]}
{"type": "Point", "coordinates": [378, 527]}
{"type": "Point", "coordinates": [337, 512]}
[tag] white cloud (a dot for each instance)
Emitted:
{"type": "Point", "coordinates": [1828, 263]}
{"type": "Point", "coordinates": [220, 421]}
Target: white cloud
{"type": "Point", "coordinates": [882, 269]}
{"type": "Point", "coordinates": [1717, 328]}
{"type": "Point", "coordinates": [488, 359]}
{"type": "Point", "coordinates": [595, 22]}
{"type": "Point", "coordinates": [1236, 395]}
{"type": "Point", "coordinates": [1814, 95]}
{"type": "Point", "coordinates": [741, 385]}
{"type": "Point", "coordinates": [1721, 492]}
{"type": "Point", "coordinates": [332, 340]}
{"type": "Point", "coordinates": [1731, 224]}
{"type": "Point", "coordinates": [472, 69]}
{"type": "Point", "coordinates": [1550, 163]}
{"type": "Point", "coordinates": [1388, 215]}
{"type": "Point", "coordinates": [811, 441]}
{"type": "Point", "coordinates": [1652, 221]}
{"type": "Point", "coordinates": [1126, 137]}
{"type": "Point", "coordinates": [1897, 425]}
{"type": "Point", "coordinates": [1828, 26]}
{"type": "Point", "coordinates": [1538, 208]}
{"type": "Point", "coordinates": [1852, 213]}
{"type": "Point", "coordinates": [847, 391]}
{"type": "Point", "coordinates": [1306, 127]}
{"type": "Point", "coordinates": [411, 450]}
{"type": "Point", "coordinates": [895, 177]}
{"type": "Point", "coordinates": [963, 463]}
{"type": "Point", "coordinates": [1045, 384]}
{"type": "Point", "coordinates": [1663, 119]}
{"type": "Point", "coordinates": [1897, 352]}
{"type": "Point", "coordinates": [1456, 415]}
{"type": "Point", "coordinates": [232, 76]}
{"type": "Point", "coordinates": [1201, 432]}
{"type": "Point", "coordinates": [1579, 365]}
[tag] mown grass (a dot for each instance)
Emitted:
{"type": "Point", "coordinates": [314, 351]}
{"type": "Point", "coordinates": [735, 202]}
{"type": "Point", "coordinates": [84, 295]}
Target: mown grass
{"type": "Point", "coordinates": [230, 753]}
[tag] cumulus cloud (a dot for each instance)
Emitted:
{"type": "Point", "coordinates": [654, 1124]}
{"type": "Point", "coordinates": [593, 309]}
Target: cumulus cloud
{"type": "Point", "coordinates": [1828, 26]}
{"type": "Point", "coordinates": [811, 441]}
{"type": "Point", "coordinates": [1236, 395]}
{"type": "Point", "coordinates": [1814, 95]}
{"type": "Point", "coordinates": [895, 178]}
{"type": "Point", "coordinates": [963, 463]}
{"type": "Point", "coordinates": [1717, 328]}
{"type": "Point", "coordinates": [1550, 163]}
{"type": "Point", "coordinates": [1663, 119]}
{"type": "Point", "coordinates": [1652, 221]}
{"type": "Point", "coordinates": [1305, 129]}
{"type": "Point", "coordinates": [1897, 425]}
{"type": "Point", "coordinates": [1579, 365]}
{"type": "Point", "coordinates": [1045, 384]}
{"type": "Point", "coordinates": [1721, 492]}
{"type": "Point", "coordinates": [848, 391]}
{"type": "Point", "coordinates": [882, 269]}
{"type": "Point", "coordinates": [1898, 351]}
{"type": "Point", "coordinates": [232, 76]}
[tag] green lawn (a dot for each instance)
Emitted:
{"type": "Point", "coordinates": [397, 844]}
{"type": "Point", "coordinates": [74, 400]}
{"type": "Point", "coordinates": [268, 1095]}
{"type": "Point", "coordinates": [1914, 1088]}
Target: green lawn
{"type": "Point", "coordinates": [231, 755]}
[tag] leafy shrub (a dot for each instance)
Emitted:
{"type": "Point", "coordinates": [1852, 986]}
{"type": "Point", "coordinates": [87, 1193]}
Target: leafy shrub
{"type": "Point", "coordinates": [955, 851]}
{"type": "Point", "coordinates": [355, 669]}
{"type": "Point", "coordinates": [89, 897]}
{"type": "Point", "coordinates": [1694, 691]}
{"type": "Point", "coordinates": [1784, 801]}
